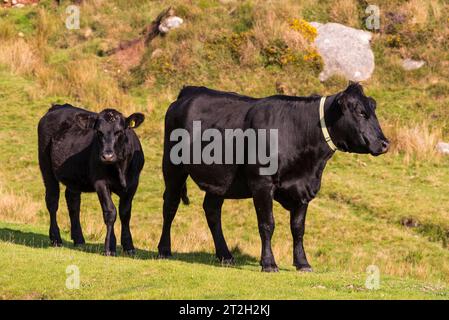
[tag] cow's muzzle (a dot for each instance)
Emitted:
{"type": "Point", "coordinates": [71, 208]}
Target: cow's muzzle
{"type": "Point", "coordinates": [384, 147]}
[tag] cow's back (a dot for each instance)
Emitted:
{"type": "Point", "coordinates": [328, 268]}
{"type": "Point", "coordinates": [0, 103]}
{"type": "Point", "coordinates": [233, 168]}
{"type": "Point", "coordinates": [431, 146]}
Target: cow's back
{"type": "Point", "coordinates": [214, 109]}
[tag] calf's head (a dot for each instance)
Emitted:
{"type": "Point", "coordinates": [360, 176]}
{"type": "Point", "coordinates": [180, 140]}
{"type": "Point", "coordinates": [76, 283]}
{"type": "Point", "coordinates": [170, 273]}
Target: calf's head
{"type": "Point", "coordinates": [356, 127]}
{"type": "Point", "coordinates": [110, 127]}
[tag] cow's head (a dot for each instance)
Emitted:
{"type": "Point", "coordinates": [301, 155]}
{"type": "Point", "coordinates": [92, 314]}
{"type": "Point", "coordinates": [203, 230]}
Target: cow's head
{"type": "Point", "coordinates": [110, 127]}
{"type": "Point", "coordinates": [356, 126]}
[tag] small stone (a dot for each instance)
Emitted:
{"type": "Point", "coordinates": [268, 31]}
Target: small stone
{"type": "Point", "coordinates": [319, 287]}
{"type": "Point", "coordinates": [157, 53]}
{"type": "Point", "coordinates": [443, 147]}
{"type": "Point", "coordinates": [87, 33]}
{"type": "Point", "coordinates": [409, 64]}
{"type": "Point", "coordinates": [170, 23]}
{"type": "Point", "coordinates": [21, 35]}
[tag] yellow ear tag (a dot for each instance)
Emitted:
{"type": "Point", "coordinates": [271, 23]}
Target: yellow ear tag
{"type": "Point", "coordinates": [132, 124]}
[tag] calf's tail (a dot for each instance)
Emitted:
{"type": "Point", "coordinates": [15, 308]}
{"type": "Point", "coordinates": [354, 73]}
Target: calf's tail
{"type": "Point", "coordinates": [184, 197]}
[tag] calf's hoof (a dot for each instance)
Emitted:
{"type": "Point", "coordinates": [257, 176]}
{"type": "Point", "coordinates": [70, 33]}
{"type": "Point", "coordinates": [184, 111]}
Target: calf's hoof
{"type": "Point", "coordinates": [164, 256]}
{"type": "Point", "coordinates": [130, 252]}
{"type": "Point", "coordinates": [56, 243]}
{"type": "Point", "coordinates": [79, 244]}
{"type": "Point", "coordinates": [110, 253]}
{"type": "Point", "coordinates": [304, 268]}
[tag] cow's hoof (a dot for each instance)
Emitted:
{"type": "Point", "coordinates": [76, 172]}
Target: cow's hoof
{"type": "Point", "coordinates": [56, 243]}
{"type": "Point", "coordinates": [130, 252]}
{"type": "Point", "coordinates": [79, 245]}
{"type": "Point", "coordinates": [304, 268]}
{"type": "Point", "coordinates": [110, 253]}
{"type": "Point", "coordinates": [272, 268]}
{"type": "Point", "coordinates": [227, 262]}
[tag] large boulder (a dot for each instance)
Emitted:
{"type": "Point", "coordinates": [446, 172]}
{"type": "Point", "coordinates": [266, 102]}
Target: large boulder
{"type": "Point", "coordinates": [345, 51]}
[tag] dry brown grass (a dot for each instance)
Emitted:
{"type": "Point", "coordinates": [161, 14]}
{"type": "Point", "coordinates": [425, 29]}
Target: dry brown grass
{"type": "Point", "coordinates": [249, 54]}
{"type": "Point", "coordinates": [7, 31]}
{"type": "Point", "coordinates": [345, 11]}
{"type": "Point", "coordinates": [92, 87]}
{"type": "Point", "coordinates": [417, 11]}
{"type": "Point", "coordinates": [272, 23]}
{"type": "Point", "coordinates": [267, 26]}
{"type": "Point", "coordinates": [415, 142]}
{"type": "Point", "coordinates": [18, 57]}
{"type": "Point", "coordinates": [86, 82]}
{"type": "Point", "coordinates": [17, 207]}
{"type": "Point", "coordinates": [45, 26]}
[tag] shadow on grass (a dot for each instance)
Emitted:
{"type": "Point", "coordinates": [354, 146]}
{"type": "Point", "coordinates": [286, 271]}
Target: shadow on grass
{"type": "Point", "coordinates": [38, 240]}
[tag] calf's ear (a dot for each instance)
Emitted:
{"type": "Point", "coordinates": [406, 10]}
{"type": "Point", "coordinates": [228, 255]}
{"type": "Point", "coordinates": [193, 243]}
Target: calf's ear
{"type": "Point", "coordinates": [85, 120]}
{"type": "Point", "coordinates": [134, 120]}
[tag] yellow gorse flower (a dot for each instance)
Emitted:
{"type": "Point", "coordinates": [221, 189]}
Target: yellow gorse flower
{"type": "Point", "coordinates": [308, 31]}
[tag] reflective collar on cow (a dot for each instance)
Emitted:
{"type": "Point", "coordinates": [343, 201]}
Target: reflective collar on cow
{"type": "Point", "coordinates": [326, 135]}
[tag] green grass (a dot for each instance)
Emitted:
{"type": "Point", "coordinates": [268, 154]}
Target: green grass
{"type": "Point", "coordinates": [356, 220]}
{"type": "Point", "coordinates": [188, 276]}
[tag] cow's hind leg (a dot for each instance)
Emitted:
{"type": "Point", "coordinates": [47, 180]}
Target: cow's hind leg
{"type": "Point", "coordinates": [212, 207]}
{"type": "Point", "coordinates": [174, 184]}
{"type": "Point", "coordinates": [73, 199]}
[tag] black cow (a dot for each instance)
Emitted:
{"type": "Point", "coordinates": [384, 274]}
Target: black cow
{"type": "Point", "coordinates": [303, 151]}
{"type": "Point", "coordinates": [90, 152]}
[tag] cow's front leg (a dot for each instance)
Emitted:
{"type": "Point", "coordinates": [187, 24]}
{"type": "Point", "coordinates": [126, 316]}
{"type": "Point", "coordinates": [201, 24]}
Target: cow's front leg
{"type": "Point", "coordinates": [125, 217]}
{"type": "Point", "coordinates": [109, 216]}
{"type": "Point", "coordinates": [263, 201]}
{"type": "Point", "coordinates": [297, 226]}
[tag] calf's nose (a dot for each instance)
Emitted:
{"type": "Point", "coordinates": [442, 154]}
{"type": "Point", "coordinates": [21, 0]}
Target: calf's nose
{"type": "Point", "coordinates": [107, 156]}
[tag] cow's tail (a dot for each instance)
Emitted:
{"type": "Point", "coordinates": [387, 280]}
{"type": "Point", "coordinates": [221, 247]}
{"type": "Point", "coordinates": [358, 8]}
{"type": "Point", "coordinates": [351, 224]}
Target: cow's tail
{"type": "Point", "coordinates": [184, 197]}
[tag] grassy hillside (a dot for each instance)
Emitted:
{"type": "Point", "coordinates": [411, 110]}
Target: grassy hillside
{"type": "Point", "coordinates": [390, 211]}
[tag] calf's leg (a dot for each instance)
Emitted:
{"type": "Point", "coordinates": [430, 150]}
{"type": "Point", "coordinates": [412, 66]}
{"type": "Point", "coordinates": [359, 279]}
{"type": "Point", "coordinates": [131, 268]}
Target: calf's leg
{"type": "Point", "coordinates": [263, 202]}
{"type": "Point", "coordinates": [109, 217]}
{"type": "Point", "coordinates": [212, 207]}
{"type": "Point", "coordinates": [125, 217]}
{"type": "Point", "coordinates": [297, 226]}
{"type": "Point", "coordinates": [73, 199]}
{"type": "Point", "coordinates": [52, 202]}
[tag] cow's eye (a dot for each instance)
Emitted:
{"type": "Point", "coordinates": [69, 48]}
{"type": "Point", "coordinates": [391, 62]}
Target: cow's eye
{"type": "Point", "coordinates": [100, 134]}
{"type": "Point", "coordinates": [363, 115]}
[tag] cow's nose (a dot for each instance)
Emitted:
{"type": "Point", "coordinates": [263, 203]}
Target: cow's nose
{"type": "Point", "coordinates": [385, 145]}
{"type": "Point", "coordinates": [107, 156]}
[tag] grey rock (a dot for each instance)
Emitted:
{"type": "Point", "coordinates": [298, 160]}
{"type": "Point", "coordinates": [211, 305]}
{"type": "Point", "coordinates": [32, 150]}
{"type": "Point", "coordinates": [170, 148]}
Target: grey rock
{"type": "Point", "coordinates": [345, 51]}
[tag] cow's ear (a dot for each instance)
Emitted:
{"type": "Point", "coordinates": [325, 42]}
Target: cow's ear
{"type": "Point", "coordinates": [85, 120]}
{"type": "Point", "coordinates": [134, 120]}
{"type": "Point", "coordinates": [342, 100]}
